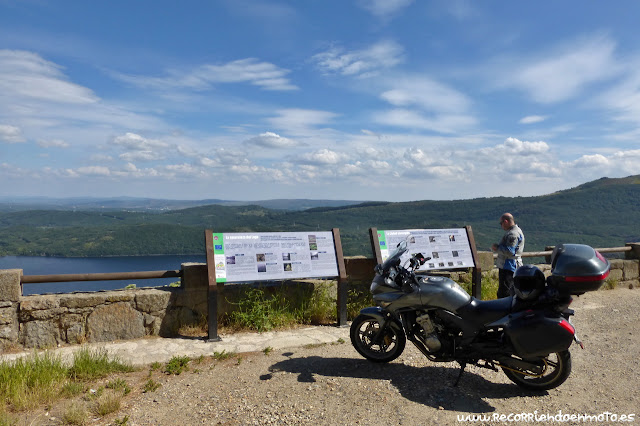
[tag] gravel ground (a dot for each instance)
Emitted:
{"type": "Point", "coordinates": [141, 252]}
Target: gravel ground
{"type": "Point", "coordinates": [332, 385]}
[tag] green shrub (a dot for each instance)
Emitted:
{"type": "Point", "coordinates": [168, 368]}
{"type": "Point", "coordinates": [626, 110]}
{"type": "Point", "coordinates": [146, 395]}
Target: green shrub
{"type": "Point", "coordinates": [176, 365]}
{"type": "Point", "coordinates": [261, 312]}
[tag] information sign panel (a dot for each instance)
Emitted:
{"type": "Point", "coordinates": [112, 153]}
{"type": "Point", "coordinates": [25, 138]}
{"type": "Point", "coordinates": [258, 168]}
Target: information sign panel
{"type": "Point", "coordinates": [241, 257]}
{"type": "Point", "coordinates": [447, 248]}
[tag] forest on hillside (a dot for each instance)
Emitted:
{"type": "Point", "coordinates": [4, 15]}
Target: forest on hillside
{"type": "Point", "coordinates": [603, 213]}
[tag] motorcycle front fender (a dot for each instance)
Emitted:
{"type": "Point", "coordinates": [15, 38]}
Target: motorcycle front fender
{"type": "Point", "coordinates": [377, 313]}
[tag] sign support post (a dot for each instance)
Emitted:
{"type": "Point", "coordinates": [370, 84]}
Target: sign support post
{"type": "Point", "coordinates": [476, 274]}
{"type": "Point", "coordinates": [342, 280]}
{"type": "Point", "coordinates": [212, 292]}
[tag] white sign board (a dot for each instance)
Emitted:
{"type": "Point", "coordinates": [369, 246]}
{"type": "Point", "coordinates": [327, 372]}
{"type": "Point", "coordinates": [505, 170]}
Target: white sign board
{"type": "Point", "coordinates": [241, 257]}
{"type": "Point", "coordinates": [447, 248]}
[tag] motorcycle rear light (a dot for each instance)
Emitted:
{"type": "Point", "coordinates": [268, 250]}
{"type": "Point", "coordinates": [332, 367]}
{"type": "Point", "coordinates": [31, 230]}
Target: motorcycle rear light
{"type": "Point", "coordinates": [600, 277]}
{"type": "Point", "coordinates": [567, 326]}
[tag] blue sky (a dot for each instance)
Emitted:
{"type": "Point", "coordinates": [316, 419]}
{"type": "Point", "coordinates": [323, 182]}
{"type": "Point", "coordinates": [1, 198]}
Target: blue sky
{"type": "Point", "coordinates": [343, 99]}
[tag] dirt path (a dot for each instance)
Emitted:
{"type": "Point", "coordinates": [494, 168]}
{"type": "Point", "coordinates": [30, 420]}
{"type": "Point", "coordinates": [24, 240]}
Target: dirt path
{"type": "Point", "coordinates": [332, 385]}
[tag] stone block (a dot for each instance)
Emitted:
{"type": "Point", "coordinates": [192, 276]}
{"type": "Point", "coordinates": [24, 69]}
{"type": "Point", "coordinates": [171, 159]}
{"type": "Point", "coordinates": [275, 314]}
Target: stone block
{"type": "Point", "coordinates": [615, 275]}
{"type": "Point", "coordinates": [39, 334]}
{"type": "Point", "coordinates": [631, 269]}
{"type": "Point", "coordinates": [8, 315]}
{"type": "Point", "coordinates": [10, 287]}
{"type": "Point", "coordinates": [152, 300]}
{"type": "Point", "coordinates": [616, 263]}
{"type": "Point", "coordinates": [9, 332]}
{"type": "Point", "coordinates": [118, 321]}
{"type": "Point", "coordinates": [32, 303]}
{"type": "Point", "coordinates": [83, 300]}
{"type": "Point", "coordinates": [195, 276]}
{"type": "Point", "coordinates": [76, 334]}
{"type": "Point", "coordinates": [120, 296]}
{"type": "Point", "coordinates": [359, 268]}
{"type": "Point", "coordinates": [40, 315]}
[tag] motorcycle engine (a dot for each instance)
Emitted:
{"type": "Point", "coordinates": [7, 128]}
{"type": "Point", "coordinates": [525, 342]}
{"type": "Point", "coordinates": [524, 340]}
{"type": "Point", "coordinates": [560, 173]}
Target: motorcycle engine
{"type": "Point", "coordinates": [431, 340]}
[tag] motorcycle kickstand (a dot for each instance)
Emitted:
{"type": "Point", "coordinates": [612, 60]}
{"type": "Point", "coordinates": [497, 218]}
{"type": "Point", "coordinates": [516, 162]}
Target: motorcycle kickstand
{"type": "Point", "coordinates": [462, 367]}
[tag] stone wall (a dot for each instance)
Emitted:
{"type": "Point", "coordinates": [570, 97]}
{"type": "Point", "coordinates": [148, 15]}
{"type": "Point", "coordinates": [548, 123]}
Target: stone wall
{"type": "Point", "coordinates": [41, 321]}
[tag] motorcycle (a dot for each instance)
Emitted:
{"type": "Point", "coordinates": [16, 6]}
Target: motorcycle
{"type": "Point", "coordinates": [526, 335]}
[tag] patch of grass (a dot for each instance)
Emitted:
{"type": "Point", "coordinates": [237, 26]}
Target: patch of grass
{"type": "Point", "coordinates": [177, 365]}
{"type": "Point", "coordinates": [76, 413]}
{"type": "Point", "coordinates": [610, 284]}
{"type": "Point", "coordinates": [267, 350]}
{"type": "Point", "coordinates": [121, 422]}
{"type": "Point", "coordinates": [28, 382]}
{"type": "Point", "coordinates": [6, 419]}
{"type": "Point", "coordinates": [119, 384]}
{"type": "Point", "coordinates": [108, 403]}
{"type": "Point", "coordinates": [72, 388]}
{"type": "Point", "coordinates": [150, 386]}
{"type": "Point", "coordinates": [90, 365]}
{"type": "Point", "coordinates": [155, 366]}
{"type": "Point", "coordinates": [219, 356]}
{"type": "Point", "coordinates": [32, 381]}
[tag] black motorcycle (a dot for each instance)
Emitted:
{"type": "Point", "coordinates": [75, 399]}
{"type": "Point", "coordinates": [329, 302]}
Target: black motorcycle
{"type": "Point", "coordinates": [526, 335]}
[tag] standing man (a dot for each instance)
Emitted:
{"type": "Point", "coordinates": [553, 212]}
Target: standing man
{"type": "Point", "coordinates": [509, 252]}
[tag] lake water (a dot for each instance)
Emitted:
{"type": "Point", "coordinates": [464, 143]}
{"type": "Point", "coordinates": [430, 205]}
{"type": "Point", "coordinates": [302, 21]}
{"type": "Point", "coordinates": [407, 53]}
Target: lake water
{"type": "Point", "coordinates": [35, 265]}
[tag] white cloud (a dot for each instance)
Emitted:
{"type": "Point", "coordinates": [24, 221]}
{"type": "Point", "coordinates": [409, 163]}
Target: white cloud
{"type": "Point", "coordinates": [93, 171]}
{"type": "Point", "coordinates": [383, 8]}
{"type": "Point", "coordinates": [519, 147]}
{"type": "Point", "coordinates": [384, 54]}
{"type": "Point", "coordinates": [411, 119]}
{"type": "Point", "coordinates": [28, 75]}
{"type": "Point", "coordinates": [323, 156]}
{"type": "Point", "coordinates": [271, 140]}
{"type": "Point", "coordinates": [297, 120]}
{"type": "Point", "coordinates": [531, 119]}
{"type": "Point", "coordinates": [563, 73]}
{"type": "Point", "coordinates": [426, 94]}
{"type": "Point", "coordinates": [250, 70]}
{"type": "Point", "coordinates": [53, 143]}
{"type": "Point", "coordinates": [11, 134]}
{"type": "Point", "coordinates": [135, 142]}
{"type": "Point", "coordinates": [141, 156]}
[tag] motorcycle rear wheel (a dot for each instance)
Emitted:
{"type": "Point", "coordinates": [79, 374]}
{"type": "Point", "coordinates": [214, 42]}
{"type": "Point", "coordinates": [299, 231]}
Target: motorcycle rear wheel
{"type": "Point", "coordinates": [556, 371]}
{"type": "Point", "coordinates": [385, 348]}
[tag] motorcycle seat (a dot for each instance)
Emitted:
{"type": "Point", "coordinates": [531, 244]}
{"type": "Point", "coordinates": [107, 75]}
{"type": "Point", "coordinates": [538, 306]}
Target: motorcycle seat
{"type": "Point", "coordinates": [483, 312]}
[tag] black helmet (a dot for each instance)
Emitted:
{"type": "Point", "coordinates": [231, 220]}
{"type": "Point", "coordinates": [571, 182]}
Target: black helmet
{"type": "Point", "coordinates": [528, 282]}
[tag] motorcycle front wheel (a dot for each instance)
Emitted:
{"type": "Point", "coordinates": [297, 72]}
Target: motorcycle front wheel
{"type": "Point", "coordinates": [557, 367]}
{"type": "Point", "coordinates": [373, 345]}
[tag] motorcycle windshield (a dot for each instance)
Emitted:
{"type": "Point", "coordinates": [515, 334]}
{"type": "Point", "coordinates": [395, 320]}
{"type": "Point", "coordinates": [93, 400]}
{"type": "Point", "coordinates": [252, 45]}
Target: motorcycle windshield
{"type": "Point", "coordinates": [394, 258]}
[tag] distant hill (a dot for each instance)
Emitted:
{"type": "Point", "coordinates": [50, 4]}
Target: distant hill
{"type": "Point", "coordinates": [8, 204]}
{"type": "Point", "coordinates": [602, 213]}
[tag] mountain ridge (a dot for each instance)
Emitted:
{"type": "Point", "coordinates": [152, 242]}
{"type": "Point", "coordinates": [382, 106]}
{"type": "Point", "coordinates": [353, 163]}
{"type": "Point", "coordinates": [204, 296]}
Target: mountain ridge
{"type": "Point", "coordinates": [601, 213]}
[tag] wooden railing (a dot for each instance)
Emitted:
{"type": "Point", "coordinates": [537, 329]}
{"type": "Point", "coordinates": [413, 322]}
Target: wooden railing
{"type": "Point", "coordinates": [141, 275]}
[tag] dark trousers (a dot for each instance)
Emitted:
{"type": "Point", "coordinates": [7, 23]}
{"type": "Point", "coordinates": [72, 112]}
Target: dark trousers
{"type": "Point", "coordinates": [505, 283]}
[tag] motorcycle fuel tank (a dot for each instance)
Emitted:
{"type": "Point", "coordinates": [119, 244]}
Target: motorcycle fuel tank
{"type": "Point", "coordinates": [443, 293]}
